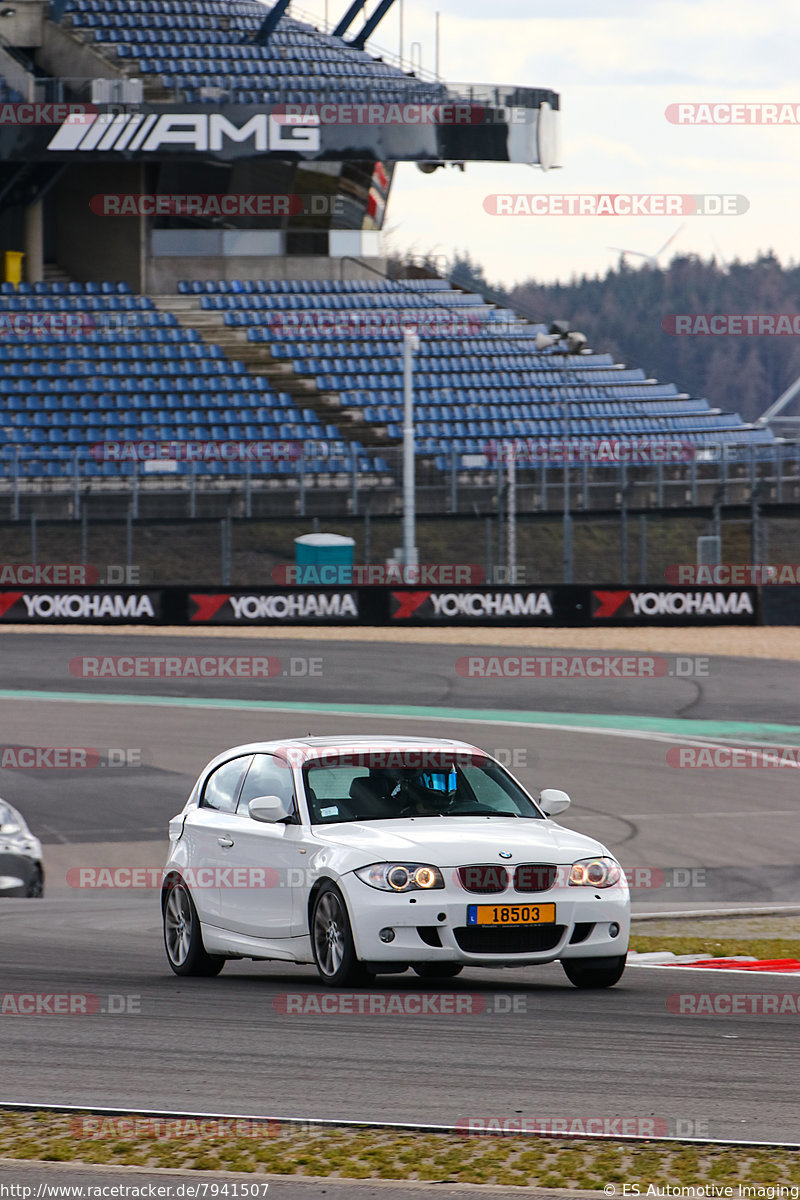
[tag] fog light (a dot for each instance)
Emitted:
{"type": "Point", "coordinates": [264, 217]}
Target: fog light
{"type": "Point", "coordinates": [386, 935]}
{"type": "Point", "coordinates": [613, 929]}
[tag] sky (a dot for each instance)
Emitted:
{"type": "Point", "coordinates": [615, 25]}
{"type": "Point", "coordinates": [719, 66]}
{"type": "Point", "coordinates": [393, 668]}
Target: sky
{"type": "Point", "coordinates": [616, 66]}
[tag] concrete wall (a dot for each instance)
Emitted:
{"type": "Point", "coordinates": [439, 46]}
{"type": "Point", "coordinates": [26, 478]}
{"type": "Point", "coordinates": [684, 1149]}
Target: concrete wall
{"type": "Point", "coordinates": [63, 56]}
{"type": "Point", "coordinates": [163, 273]}
{"type": "Point", "coordinates": [92, 246]}
{"type": "Point", "coordinates": [15, 74]}
{"type": "Point", "coordinates": [25, 27]}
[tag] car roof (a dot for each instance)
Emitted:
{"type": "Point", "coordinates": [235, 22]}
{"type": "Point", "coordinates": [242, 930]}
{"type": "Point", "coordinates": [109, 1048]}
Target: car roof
{"type": "Point", "coordinates": [304, 749]}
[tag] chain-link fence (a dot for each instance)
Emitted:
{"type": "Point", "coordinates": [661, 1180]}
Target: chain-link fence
{"type": "Point", "coordinates": [236, 551]}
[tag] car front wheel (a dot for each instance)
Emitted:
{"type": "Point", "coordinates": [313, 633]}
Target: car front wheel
{"type": "Point", "coordinates": [35, 889]}
{"type": "Point", "coordinates": [183, 937]}
{"type": "Point", "coordinates": [594, 972]}
{"type": "Point", "coordinates": [332, 940]}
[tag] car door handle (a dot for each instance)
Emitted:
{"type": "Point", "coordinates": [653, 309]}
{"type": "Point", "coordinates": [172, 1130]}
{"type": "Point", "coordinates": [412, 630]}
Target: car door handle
{"type": "Point", "coordinates": [225, 841]}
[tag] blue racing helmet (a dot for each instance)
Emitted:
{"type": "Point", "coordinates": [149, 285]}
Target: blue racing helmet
{"type": "Point", "coordinates": [439, 781]}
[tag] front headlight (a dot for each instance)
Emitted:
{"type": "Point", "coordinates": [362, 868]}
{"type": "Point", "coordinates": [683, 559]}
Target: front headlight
{"type": "Point", "coordinates": [401, 877]}
{"type": "Point", "coordinates": [595, 872]}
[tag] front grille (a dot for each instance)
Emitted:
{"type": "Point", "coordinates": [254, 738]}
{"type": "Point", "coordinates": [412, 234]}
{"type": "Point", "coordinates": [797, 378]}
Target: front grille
{"type": "Point", "coordinates": [489, 939]}
{"type": "Point", "coordinates": [483, 880]}
{"type": "Point", "coordinates": [535, 877]}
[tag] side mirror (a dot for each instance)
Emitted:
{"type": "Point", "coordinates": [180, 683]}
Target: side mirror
{"type": "Point", "coordinates": [554, 801]}
{"type": "Point", "coordinates": [269, 809]}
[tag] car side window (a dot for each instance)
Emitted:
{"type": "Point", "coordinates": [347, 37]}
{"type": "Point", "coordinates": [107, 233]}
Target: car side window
{"type": "Point", "coordinates": [267, 776]}
{"type": "Point", "coordinates": [222, 785]}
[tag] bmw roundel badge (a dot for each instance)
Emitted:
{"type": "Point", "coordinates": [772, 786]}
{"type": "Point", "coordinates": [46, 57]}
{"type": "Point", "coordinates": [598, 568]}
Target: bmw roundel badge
{"type": "Point", "coordinates": [505, 854]}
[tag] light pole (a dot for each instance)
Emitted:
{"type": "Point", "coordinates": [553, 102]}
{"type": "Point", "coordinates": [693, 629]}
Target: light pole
{"type": "Point", "coordinates": [511, 527]}
{"type": "Point", "coordinates": [410, 554]}
{"type": "Point", "coordinates": [568, 341]}
{"type": "Point", "coordinates": [566, 521]}
{"type": "Point", "coordinates": [436, 52]}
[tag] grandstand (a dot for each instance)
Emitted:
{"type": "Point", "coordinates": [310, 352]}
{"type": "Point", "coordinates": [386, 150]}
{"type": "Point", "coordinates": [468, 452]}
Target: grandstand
{"type": "Point", "coordinates": [204, 52]}
{"type": "Point", "coordinates": [283, 328]}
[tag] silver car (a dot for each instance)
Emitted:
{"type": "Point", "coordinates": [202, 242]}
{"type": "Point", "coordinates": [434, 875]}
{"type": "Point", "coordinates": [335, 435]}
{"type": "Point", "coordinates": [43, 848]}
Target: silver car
{"type": "Point", "coordinates": [21, 868]}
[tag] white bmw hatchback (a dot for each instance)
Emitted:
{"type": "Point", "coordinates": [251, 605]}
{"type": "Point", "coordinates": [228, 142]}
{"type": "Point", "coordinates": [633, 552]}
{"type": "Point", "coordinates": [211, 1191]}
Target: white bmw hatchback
{"type": "Point", "coordinates": [368, 856]}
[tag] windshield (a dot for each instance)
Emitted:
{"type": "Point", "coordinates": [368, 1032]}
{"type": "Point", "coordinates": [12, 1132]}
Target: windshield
{"type": "Point", "coordinates": [362, 792]}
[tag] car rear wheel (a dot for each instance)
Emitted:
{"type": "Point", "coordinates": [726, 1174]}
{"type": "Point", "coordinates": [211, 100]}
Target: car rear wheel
{"type": "Point", "coordinates": [438, 970]}
{"type": "Point", "coordinates": [332, 940]}
{"type": "Point", "coordinates": [183, 937]}
{"type": "Point", "coordinates": [594, 972]}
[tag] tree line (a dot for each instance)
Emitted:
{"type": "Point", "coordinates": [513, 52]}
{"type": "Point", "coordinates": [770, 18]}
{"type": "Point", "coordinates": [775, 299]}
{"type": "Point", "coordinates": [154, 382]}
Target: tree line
{"type": "Point", "coordinates": [622, 314]}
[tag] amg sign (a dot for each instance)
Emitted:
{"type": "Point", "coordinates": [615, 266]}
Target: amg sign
{"type": "Point", "coordinates": [199, 132]}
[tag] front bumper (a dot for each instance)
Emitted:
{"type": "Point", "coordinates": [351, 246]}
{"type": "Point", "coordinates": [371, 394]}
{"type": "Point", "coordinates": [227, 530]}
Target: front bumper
{"type": "Point", "coordinates": [431, 927]}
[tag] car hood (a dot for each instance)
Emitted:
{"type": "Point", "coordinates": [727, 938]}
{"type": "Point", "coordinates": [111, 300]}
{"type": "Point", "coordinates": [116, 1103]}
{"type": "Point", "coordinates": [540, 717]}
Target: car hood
{"type": "Point", "coordinates": [453, 841]}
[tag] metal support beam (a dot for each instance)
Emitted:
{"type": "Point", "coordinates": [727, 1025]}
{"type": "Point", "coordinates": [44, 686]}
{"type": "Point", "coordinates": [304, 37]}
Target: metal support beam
{"type": "Point", "coordinates": [354, 480]}
{"type": "Point", "coordinates": [33, 225]}
{"type": "Point", "coordinates": [270, 22]}
{"type": "Point", "coordinates": [780, 404]}
{"type": "Point", "coordinates": [371, 24]}
{"type": "Point", "coordinates": [566, 518]}
{"type": "Point", "coordinates": [410, 554]}
{"type": "Point", "coordinates": [511, 516]}
{"type": "Point", "coordinates": [348, 18]}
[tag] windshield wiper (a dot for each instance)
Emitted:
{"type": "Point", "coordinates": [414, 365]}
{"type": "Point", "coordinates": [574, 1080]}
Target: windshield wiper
{"type": "Point", "coordinates": [482, 812]}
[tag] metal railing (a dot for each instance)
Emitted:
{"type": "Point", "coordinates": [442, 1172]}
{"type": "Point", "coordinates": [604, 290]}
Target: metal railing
{"type": "Point", "coordinates": [450, 482]}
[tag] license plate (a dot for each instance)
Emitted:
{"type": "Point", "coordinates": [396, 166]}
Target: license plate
{"type": "Point", "coordinates": [511, 914]}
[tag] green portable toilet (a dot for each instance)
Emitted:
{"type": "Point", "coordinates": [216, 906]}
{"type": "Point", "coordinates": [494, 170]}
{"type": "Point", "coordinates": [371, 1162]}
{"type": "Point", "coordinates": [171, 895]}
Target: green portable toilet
{"type": "Point", "coordinates": [324, 557]}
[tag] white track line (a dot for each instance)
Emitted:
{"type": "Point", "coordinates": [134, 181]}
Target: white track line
{"type": "Point", "coordinates": [326, 1123]}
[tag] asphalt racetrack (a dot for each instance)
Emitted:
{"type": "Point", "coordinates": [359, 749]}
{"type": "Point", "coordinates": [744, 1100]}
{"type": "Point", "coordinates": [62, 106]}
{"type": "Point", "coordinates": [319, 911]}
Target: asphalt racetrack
{"type": "Point", "coordinates": [537, 1049]}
